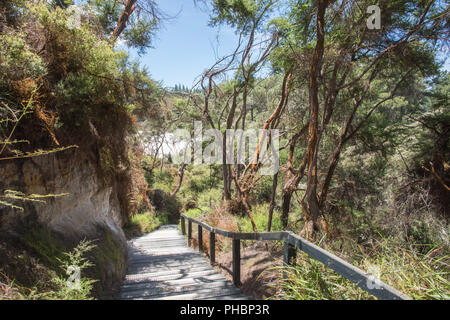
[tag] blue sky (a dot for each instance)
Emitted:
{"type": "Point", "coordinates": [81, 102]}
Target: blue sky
{"type": "Point", "coordinates": [185, 46]}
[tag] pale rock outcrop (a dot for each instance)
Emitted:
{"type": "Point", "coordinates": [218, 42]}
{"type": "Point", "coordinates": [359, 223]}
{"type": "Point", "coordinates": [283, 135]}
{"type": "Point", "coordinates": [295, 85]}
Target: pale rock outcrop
{"type": "Point", "coordinates": [91, 208]}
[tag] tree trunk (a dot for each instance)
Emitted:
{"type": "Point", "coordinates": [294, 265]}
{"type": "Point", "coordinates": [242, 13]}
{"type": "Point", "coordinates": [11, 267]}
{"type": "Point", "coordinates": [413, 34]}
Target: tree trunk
{"type": "Point", "coordinates": [226, 167]}
{"type": "Point", "coordinates": [315, 218]}
{"type": "Point", "coordinates": [285, 206]}
{"type": "Point", "coordinates": [123, 19]}
{"type": "Point", "coordinates": [180, 181]}
{"type": "Point", "coordinates": [226, 178]}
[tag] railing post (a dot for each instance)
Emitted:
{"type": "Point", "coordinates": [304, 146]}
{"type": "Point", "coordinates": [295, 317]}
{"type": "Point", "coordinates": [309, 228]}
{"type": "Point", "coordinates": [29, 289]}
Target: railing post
{"type": "Point", "coordinates": [200, 238]}
{"type": "Point", "coordinates": [189, 232]}
{"type": "Point", "coordinates": [352, 273]}
{"type": "Point", "coordinates": [183, 226]}
{"type": "Point", "coordinates": [212, 247]}
{"type": "Point", "coordinates": [289, 255]}
{"type": "Point", "coordinates": [236, 248]}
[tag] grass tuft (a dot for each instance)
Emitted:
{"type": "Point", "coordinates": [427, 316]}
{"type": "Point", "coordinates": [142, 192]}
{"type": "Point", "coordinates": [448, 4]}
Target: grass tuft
{"type": "Point", "coordinates": [143, 223]}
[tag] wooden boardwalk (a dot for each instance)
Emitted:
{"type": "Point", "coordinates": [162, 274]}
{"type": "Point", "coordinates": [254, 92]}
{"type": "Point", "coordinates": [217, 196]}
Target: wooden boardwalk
{"type": "Point", "coordinates": [162, 267]}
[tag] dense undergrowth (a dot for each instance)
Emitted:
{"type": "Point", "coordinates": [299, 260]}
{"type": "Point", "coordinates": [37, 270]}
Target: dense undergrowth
{"type": "Point", "coordinates": [413, 258]}
{"type": "Point", "coordinates": [67, 281]}
{"type": "Point", "coordinates": [420, 276]}
{"type": "Point", "coordinates": [66, 86]}
{"type": "Point", "coordinates": [142, 223]}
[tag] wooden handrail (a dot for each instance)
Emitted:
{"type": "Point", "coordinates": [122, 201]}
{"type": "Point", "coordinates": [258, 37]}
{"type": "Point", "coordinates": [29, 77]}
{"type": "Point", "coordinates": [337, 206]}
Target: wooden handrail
{"type": "Point", "coordinates": [292, 242]}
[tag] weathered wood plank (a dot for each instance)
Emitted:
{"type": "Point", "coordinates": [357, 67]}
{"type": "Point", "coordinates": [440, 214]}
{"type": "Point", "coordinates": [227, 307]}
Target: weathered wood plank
{"type": "Point", "coordinates": [161, 267]}
{"type": "Point", "coordinates": [175, 289]}
{"type": "Point", "coordinates": [168, 284]}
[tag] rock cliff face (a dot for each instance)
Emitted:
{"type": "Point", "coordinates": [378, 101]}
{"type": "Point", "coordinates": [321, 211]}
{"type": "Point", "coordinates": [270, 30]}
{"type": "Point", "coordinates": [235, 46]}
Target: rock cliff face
{"type": "Point", "coordinates": [90, 210]}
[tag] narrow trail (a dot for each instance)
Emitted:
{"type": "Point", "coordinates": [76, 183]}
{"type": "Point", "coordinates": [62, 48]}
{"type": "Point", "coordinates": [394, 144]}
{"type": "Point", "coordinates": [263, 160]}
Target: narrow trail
{"type": "Point", "coordinates": [162, 267]}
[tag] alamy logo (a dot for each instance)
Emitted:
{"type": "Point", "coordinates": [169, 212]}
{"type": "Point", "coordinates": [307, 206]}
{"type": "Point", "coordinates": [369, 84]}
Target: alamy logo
{"type": "Point", "coordinates": [241, 147]}
{"type": "Point", "coordinates": [374, 21]}
{"type": "Point", "coordinates": [74, 280]}
{"type": "Point", "coordinates": [373, 281]}
{"type": "Point", "coordinates": [74, 20]}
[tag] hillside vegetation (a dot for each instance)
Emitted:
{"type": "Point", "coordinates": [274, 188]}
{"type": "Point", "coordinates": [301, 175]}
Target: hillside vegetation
{"type": "Point", "coordinates": [69, 108]}
{"type": "Point", "coordinates": [360, 121]}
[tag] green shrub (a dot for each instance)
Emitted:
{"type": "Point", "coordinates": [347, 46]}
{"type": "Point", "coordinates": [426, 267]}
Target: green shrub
{"type": "Point", "coordinates": [46, 245]}
{"type": "Point", "coordinates": [163, 180]}
{"type": "Point", "coordinates": [194, 213]}
{"type": "Point", "coordinates": [163, 218]}
{"type": "Point", "coordinates": [423, 235]}
{"type": "Point", "coordinates": [210, 196]}
{"type": "Point", "coordinates": [17, 61]}
{"type": "Point", "coordinates": [142, 223]}
{"type": "Point", "coordinates": [74, 260]}
{"type": "Point", "coordinates": [68, 283]}
{"type": "Point", "coordinates": [199, 184]}
{"type": "Point", "coordinates": [420, 276]}
{"type": "Point", "coordinates": [263, 190]}
{"type": "Point", "coordinates": [165, 204]}
{"type": "Point", "coordinates": [260, 216]}
{"type": "Point", "coordinates": [311, 280]}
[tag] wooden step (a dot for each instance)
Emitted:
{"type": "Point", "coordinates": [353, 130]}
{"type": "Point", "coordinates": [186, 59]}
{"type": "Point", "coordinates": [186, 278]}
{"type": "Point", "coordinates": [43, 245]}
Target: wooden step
{"type": "Point", "coordinates": [162, 267]}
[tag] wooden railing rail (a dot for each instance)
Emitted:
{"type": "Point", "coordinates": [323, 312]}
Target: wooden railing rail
{"type": "Point", "coordinates": [292, 242]}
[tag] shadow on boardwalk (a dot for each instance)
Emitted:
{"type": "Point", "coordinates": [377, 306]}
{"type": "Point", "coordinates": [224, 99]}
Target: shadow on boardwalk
{"type": "Point", "coordinates": [162, 267]}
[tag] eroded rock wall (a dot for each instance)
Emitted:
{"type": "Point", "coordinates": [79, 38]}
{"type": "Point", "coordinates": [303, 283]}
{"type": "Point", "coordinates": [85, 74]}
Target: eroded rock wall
{"type": "Point", "coordinates": [90, 210]}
